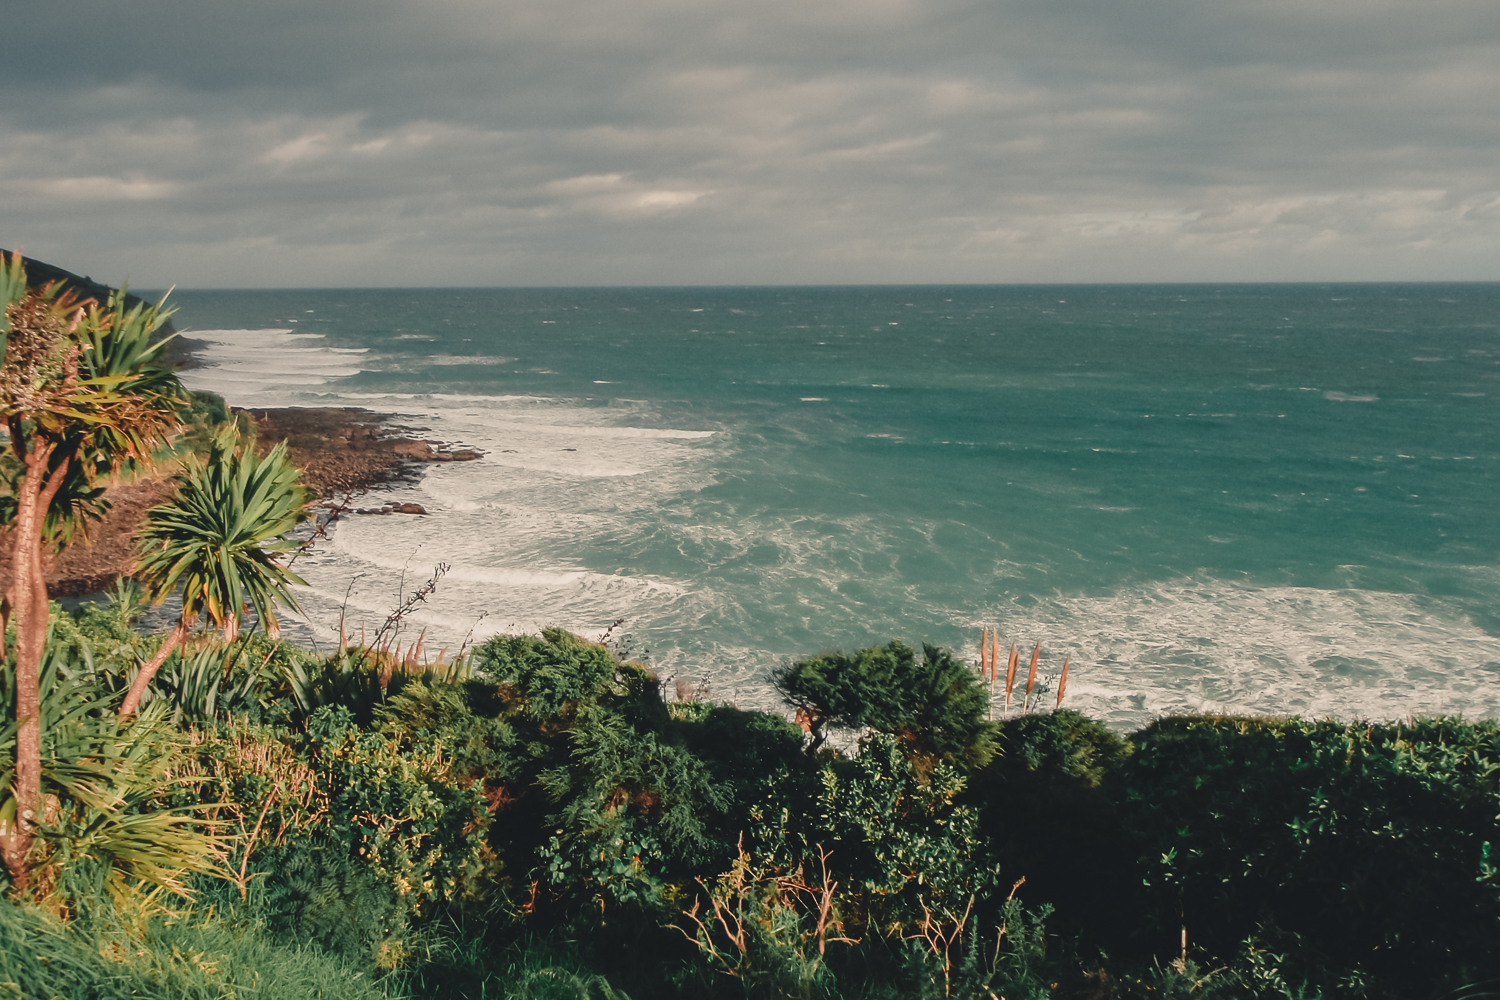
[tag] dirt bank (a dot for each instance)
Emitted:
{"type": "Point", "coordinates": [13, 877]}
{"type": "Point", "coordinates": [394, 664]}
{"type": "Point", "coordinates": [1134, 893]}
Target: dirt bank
{"type": "Point", "coordinates": [343, 452]}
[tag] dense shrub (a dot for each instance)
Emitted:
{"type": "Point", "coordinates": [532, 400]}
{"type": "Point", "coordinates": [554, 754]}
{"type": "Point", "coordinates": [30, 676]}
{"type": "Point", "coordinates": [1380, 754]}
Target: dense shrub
{"type": "Point", "coordinates": [1360, 853]}
{"type": "Point", "coordinates": [935, 705]}
{"type": "Point", "coordinates": [345, 834]}
{"type": "Point", "coordinates": [545, 825]}
{"type": "Point", "coordinates": [1045, 812]}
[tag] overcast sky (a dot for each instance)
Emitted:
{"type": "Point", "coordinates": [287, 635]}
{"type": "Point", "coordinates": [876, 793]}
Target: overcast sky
{"type": "Point", "coordinates": [268, 143]}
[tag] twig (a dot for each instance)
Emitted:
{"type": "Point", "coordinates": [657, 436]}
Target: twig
{"type": "Point", "coordinates": [393, 621]}
{"type": "Point", "coordinates": [344, 609]}
{"type": "Point", "coordinates": [320, 528]}
{"type": "Point", "coordinates": [469, 635]}
{"type": "Point", "coordinates": [604, 636]}
{"type": "Point", "coordinates": [242, 880]}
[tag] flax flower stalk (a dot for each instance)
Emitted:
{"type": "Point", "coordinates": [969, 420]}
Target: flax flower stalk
{"type": "Point", "coordinates": [994, 667]}
{"type": "Point", "coordinates": [1031, 679]}
{"type": "Point", "coordinates": [1010, 676]}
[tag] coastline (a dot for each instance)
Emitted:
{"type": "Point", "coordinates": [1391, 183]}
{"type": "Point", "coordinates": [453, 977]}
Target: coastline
{"type": "Point", "coordinates": [343, 452]}
{"type": "Point", "coordinates": [346, 451]}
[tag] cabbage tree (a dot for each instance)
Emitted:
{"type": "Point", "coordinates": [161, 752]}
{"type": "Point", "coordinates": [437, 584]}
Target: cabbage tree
{"type": "Point", "coordinates": [218, 541]}
{"type": "Point", "coordinates": [83, 394]}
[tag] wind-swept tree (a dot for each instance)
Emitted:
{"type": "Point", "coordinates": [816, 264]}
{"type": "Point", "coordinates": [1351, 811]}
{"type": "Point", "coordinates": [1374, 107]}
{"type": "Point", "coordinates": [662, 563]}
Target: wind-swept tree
{"type": "Point", "coordinates": [935, 705]}
{"type": "Point", "coordinates": [83, 393]}
{"type": "Point", "coordinates": [219, 542]}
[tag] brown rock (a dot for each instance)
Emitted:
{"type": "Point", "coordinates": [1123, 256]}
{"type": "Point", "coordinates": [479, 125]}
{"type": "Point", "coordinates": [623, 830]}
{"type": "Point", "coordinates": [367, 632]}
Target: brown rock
{"type": "Point", "coordinates": [408, 508]}
{"type": "Point", "coordinates": [420, 450]}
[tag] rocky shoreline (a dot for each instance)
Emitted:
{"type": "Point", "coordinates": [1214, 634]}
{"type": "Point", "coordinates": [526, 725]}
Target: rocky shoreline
{"type": "Point", "coordinates": [346, 451]}
{"type": "Point", "coordinates": [343, 452]}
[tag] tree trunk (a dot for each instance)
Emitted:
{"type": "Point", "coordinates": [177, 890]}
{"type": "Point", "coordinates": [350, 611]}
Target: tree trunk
{"type": "Point", "coordinates": [142, 679]}
{"type": "Point", "coordinates": [29, 613]}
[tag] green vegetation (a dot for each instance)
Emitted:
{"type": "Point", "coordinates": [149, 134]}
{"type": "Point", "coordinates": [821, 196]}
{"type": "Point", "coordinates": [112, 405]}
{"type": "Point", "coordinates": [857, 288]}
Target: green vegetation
{"type": "Point", "coordinates": [216, 544]}
{"type": "Point", "coordinates": [83, 397]}
{"type": "Point", "coordinates": [535, 821]}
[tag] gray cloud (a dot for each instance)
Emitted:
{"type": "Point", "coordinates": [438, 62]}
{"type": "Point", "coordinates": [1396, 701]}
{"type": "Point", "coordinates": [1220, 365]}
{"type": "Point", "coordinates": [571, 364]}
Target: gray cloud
{"type": "Point", "coordinates": [270, 142]}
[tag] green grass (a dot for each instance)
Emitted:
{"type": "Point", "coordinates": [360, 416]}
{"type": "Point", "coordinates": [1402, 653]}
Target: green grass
{"type": "Point", "coordinates": [191, 956]}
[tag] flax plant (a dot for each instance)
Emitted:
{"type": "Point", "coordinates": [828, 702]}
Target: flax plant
{"type": "Point", "coordinates": [98, 779]}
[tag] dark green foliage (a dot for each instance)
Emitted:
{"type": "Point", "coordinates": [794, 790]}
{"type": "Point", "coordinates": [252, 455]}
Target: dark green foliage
{"type": "Point", "coordinates": [628, 806]}
{"type": "Point", "coordinates": [936, 706]}
{"type": "Point", "coordinates": [461, 964]}
{"type": "Point", "coordinates": [1010, 961]}
{"type": "Point", "coordinates": [348, 833]}
{"type": "Point", "coordinates": [482, 746]}
{"type": "Point", "coordinates": [894, 835]}
{"type": "Point", "coordinates": [1062, 746]}
{"type": "Point", "coordinates": [1044, 809]}
{"type": "Point", "coordinates": [540, 829]}
{"type": "Point", "coordinates": [552, 678]}
{"type": "Point", "coordinates": [945, 706]}
{"type": "Point", "coordinates": [1361, 852]}
{"type": "Point", "coordinates": [318, 894]}
{"type": "Point", "coordinates": [747, 754]}
{"type": "Point", "coordinates": [606, 798]}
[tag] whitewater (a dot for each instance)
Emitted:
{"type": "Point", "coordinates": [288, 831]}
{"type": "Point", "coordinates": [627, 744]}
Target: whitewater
{"type": "Point", "coordinates": [1251, 499]}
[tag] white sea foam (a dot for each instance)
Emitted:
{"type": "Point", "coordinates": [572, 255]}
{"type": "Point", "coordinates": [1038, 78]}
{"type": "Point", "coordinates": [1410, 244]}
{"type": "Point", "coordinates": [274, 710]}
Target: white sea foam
{"type": "Point", "coordinates": [572, 496]}
{"type": "Point", "coordinates": [456, 359]}
{"type": "Point", "coordinates": [557, 475]}
{"type": "Point", "coordinates": [1214, 646]}
{"type": "Point", "coordinates": [371, 543]}
{"type": "Point", "coordinates": [258, 367]}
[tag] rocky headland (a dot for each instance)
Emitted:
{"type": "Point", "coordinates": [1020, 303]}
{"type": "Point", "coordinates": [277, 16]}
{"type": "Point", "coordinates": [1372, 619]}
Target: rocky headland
{"type": "Point", "coordinates": [344, 454]}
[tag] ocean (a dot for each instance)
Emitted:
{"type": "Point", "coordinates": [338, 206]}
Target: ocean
{"type": "Point", "coordinates": [1208, 498]}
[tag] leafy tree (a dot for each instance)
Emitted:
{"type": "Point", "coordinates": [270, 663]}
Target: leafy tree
{"type": "Point", "coordinates": [553, 678]}
{"type": "Point", "coordinates": [935, 706]}
{"type": "Point", "coordinates": [82, 395]}
{"type": "Point", "coordinates": [218, 541]}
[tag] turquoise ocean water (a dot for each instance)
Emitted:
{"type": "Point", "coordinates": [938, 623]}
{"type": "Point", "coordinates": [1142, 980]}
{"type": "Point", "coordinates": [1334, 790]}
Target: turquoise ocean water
{"type": "Point", "coordinates": [1274, 498]}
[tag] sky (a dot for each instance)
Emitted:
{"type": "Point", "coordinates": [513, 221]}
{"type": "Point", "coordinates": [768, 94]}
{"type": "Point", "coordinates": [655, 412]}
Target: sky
{"type": "Point", "coordinates": [346, 143]}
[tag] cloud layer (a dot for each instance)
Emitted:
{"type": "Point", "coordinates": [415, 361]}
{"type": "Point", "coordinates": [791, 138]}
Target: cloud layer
{"type": "Point", "coordinates": [275, 142]}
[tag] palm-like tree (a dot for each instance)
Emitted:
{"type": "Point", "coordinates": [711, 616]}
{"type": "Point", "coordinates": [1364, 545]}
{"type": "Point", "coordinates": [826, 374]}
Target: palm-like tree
{"type": "Point", "coordinates": [219, 541]}
{"type": "Point", "coordinates": [83, 394]}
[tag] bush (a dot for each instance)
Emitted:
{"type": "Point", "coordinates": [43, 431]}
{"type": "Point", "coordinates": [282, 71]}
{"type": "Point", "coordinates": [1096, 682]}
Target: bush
{"type": "Point", "coordinates": [1045, 811]}
{"type": "Point", "coordinates": [555, 813]}
{"type": "Point", "coordinates": [346, 834]}
{"type": "Point", "coordinates": [1360, 852]}
{"type": "Point", "coordinates": [936, 707]}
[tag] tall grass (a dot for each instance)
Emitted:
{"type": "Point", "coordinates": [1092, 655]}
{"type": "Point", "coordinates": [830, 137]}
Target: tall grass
{"type": "Point", "coordinates": [194, 956]}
